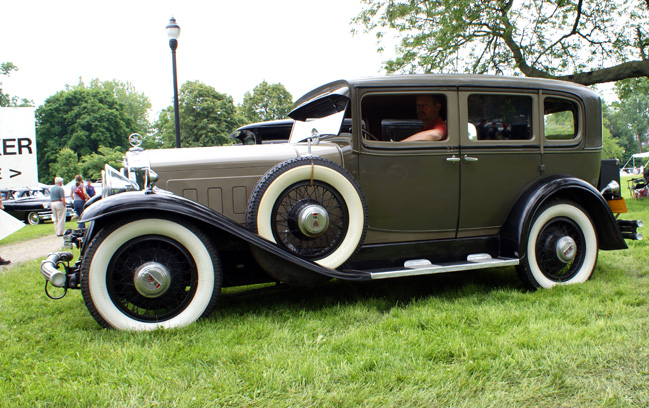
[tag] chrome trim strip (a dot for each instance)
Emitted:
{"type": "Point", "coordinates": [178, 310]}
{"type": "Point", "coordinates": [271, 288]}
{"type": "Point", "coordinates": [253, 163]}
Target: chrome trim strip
{"type": "Point", "coordinates": [433, 269]}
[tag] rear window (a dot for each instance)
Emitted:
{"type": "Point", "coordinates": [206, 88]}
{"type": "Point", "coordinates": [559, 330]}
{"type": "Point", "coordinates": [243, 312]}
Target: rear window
{"type": "Point", "coordinates": [560, 119]}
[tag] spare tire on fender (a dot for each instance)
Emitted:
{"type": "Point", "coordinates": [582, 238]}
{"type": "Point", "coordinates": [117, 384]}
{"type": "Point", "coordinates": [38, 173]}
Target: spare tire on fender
{"type": "Point", "coordinates": [312, 208]}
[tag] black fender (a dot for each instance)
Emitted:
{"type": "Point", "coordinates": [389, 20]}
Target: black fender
{"type": "Point", "coordinates": [142, 202]}
{"type": "Point", "coordinates": [515, 231]}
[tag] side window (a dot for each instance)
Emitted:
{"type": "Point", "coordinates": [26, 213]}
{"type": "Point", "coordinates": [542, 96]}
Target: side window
{"type": "Point", "coordinates": [560, 119]}
{"type": "Point", "coordinates": [499, 117]}
{"type": "Point", "coordinates": [409, 117]}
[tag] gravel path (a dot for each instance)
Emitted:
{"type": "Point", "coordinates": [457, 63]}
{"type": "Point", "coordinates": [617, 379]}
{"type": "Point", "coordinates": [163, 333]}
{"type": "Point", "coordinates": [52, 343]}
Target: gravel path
{"type": "Point", "coordinates": [28, 250]}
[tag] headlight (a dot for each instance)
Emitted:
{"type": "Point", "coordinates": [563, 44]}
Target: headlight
{"type": "Point", "coordinates": [612, 188]}
{"type": "Point", "coordinates": [114, 182]}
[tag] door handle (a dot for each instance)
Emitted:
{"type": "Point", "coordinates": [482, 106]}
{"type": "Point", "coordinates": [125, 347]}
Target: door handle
{"type": "Point", "coordinates": [453, 159]}
{"type": "Point", "coordinates": [470, 159]}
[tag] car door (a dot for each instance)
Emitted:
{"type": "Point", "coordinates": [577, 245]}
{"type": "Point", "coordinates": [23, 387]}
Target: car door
{"type": "Point", "coordinates": [411, 188]}
{"type": "Point", "coordinates": [500, 155]}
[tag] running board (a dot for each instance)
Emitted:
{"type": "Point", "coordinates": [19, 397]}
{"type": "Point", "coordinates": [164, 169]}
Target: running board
{"type": "Point", "coordinates": [425, 267]}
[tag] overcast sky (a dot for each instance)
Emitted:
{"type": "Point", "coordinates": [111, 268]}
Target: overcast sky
{"type": "Point", "coordinates": [230, 45]}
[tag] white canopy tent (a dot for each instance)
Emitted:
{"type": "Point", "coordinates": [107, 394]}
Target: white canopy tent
{"type": "Point", "coordinates": [642, 157]}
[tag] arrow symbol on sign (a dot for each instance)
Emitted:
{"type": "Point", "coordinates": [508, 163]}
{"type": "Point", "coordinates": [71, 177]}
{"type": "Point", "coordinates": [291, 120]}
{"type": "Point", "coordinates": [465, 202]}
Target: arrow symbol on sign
{"type": "Point", "coordinates": [15, 173]}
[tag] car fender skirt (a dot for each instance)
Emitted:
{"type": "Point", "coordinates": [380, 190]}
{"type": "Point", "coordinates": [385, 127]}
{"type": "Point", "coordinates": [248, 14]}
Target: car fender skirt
{"type": "Point", "coordinates": [142, 202]}
{"type": "Point", "coordinates": [517, 226]}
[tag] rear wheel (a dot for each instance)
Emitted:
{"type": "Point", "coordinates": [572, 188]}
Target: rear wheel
{"type": "Point", "coordinates": [561, 247]}
{"type": "Point", "coordinates": [148, 273]}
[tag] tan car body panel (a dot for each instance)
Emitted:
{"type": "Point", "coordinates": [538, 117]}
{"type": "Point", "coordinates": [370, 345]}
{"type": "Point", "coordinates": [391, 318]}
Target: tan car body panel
{"type": "Point", "coordinates": [222, 178]}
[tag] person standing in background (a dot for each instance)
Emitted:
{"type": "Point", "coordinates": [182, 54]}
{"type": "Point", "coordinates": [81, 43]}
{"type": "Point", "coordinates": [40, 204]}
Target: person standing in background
{"type": "Point", "coordinates": [2, 260]}
{"type": "Point", "coordinates": [90, 190]}
{"type": "Point", "coordinates": [79, 198]}
{"type": "Point", "coordinates": [57, 204]}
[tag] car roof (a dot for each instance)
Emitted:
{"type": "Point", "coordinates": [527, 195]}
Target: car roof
{"type": "Point", "coordinates": [451, 80]}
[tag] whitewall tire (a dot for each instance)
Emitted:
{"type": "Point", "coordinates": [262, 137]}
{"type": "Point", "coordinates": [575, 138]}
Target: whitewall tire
{"type": "Point", "coordinates": [561, 247]}
{"type": "Point", "coordinates": [150, 273]}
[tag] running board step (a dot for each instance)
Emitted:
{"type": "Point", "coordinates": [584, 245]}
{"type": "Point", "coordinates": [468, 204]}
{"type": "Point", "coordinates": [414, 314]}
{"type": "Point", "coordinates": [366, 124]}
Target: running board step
{"type": "Point", "coordinates": [425, 267]}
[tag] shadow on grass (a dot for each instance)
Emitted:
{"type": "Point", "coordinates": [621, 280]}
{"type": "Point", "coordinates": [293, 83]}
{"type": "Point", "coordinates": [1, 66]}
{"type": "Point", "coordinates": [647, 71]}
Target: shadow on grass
{"type": "Point", "coordinates": [384, 295]}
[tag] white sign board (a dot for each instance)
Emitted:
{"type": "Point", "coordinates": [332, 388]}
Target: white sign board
{"type": "Point", "coordinates": [8, 224]}
{"type": "Point", "coordinates": [18, 148]}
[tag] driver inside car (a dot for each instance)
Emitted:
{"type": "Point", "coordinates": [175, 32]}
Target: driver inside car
{"type": "Point", "coordinates": [434, 126]}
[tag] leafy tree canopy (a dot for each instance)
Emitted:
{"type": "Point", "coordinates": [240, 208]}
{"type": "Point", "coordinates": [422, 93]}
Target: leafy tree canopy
{"type": "Point", "coordinates": [136, 104]}
{"type": "Point", "coordinates": [267, 102]}
{"type": "Point", "coordinates": [6, 100]}
{"type": "Point", "coordinates": [65, 166]}
{"type": "Point", "coordinates": [587, 42]}
{"type": "Point", "coordinates": [207, 117]}
{"type": "Point", "coordinates": [611, 146]}
{"type": "Point", "coordinates": [632, 111]}
{"type": "Point", "coordinates": [82, 120]}
{"type": "Point", "coordinates": [92, 165]}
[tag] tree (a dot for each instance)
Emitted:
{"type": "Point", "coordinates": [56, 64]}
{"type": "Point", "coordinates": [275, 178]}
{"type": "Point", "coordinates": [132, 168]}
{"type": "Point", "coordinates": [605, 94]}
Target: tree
{"type": "Point", "coordinates": [207, 117]}
{"type": "Point", "coordinates": [573, 40]}
{"type": "Point", "coordinates": [611, 148]}
{"type": "Point", "coordinates": [267, 102]}
{"type": "Point", "coordinates": [136, 104]}
{"type": "Point", "coordinates": [632, 111]}
{"type": "Point", "coordinates": [65, 166]}
{"type": "Point", "coordinates": [92, 165]}
{"type": "Point", "coordinates": [615, 125]}
{"type": "Point", "coordinates": [82, 120]}
{"type": "Point", "coordinates": [6, 100]}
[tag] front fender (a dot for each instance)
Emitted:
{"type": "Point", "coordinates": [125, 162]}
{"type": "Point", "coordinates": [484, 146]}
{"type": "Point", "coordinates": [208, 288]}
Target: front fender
{"type": "Point", "coordinates": [516, 229]}
{"type": "Point", "coordinates": [141, 202]}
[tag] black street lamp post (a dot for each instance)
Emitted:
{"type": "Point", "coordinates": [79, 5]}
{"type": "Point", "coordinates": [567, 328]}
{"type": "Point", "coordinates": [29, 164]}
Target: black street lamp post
{"type": "Point", "coordinates": [173, 32]}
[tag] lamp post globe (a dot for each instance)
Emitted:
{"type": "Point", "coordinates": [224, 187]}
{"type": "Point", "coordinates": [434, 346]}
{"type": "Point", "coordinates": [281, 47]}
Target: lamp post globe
{"type": "Point", "coordinates": [173, 32]}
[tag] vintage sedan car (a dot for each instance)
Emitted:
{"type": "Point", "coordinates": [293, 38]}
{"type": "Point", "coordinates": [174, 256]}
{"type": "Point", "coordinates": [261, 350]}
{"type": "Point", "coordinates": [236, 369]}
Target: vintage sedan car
{"type": "Point", "coordinates": [516, 181]}
{"type": "Point", "coordinates": [33, 209]}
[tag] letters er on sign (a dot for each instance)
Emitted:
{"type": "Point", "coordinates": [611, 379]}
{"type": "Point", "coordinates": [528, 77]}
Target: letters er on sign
{"type": "Point", "coordinates": [18, 148]}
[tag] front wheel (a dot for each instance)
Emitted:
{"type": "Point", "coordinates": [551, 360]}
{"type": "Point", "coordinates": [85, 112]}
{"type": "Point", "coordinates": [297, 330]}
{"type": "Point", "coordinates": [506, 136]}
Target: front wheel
{"type": "Point", "coordinates": [561, 247]}
{"type": "Point", "coordinates": [149, 273]}
{"type": "Point", "coordinates": [33, 218]}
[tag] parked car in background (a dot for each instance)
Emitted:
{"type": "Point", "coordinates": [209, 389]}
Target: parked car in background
{"type": "Point", "coordinates": [14, 193]}
{"type": "Point", "coordinates": [33, 209]}
{"type": "Point", "coordinates": [271, 132]}
{"type": "Point", "coordinates": [274, 131]}
{"type": "Point", "coordinates": [516, 180]}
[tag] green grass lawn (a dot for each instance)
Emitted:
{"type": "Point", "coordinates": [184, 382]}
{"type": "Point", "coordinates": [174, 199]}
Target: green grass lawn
{"type": "Point", "coordinates": [474, 339]}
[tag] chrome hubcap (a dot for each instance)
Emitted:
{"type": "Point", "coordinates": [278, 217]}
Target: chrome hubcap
{"type": "Point", "coordinates": [313, 220]}
{"type": "Point", "coordinates": [566, 249]}
{"type": "Point", "coordinates": [152, 279]}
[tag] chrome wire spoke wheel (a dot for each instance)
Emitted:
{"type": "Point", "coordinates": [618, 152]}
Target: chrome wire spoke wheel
{"type": "Point", "coordinates": [310, 219]}
{"type": "Point", "coordinates": [560, 249]}
{"type": "Point", "coordinates": [152, 278]}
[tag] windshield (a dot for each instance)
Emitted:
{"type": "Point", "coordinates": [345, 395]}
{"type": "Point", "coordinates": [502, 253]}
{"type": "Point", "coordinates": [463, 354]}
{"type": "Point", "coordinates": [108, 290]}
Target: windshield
{"type": "Point", "coordinates": [329, 125]}
{"type": "Point", "coordinates": [323, 113]}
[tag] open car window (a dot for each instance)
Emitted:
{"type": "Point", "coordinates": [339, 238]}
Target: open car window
{"type": "Point", "coordinates": [393, 117]}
